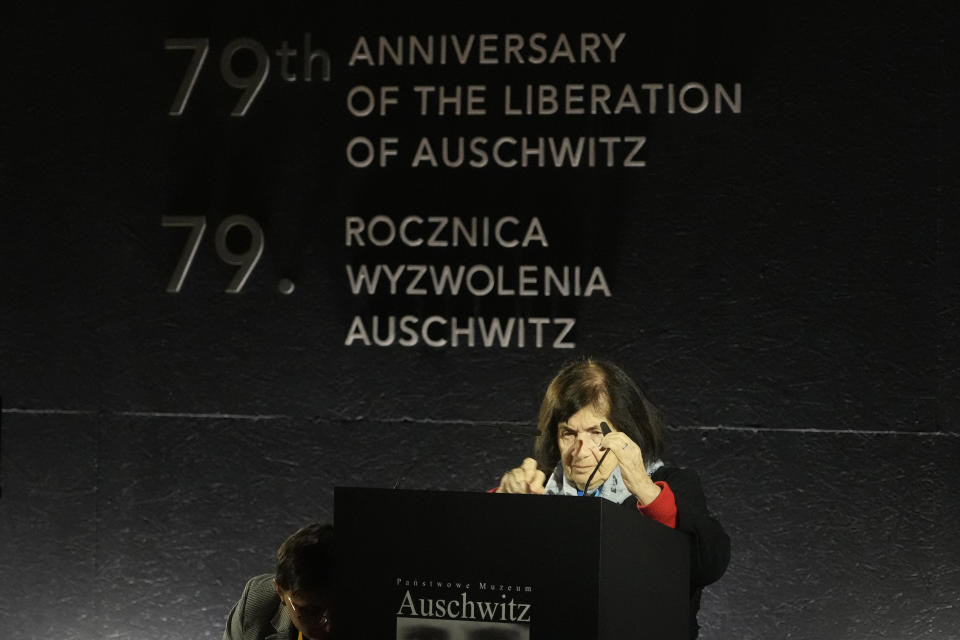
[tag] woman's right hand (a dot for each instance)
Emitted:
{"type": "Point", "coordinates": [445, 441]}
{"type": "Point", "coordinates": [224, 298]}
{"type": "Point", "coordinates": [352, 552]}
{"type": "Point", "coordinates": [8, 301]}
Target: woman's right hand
{"type": "Point", "coordinates": [524, 479]}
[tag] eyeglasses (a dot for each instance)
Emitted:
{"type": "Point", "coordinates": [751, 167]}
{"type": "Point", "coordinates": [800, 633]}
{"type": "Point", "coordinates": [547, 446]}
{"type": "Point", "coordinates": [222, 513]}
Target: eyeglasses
{"type": "Point", "coordinates": [309, 615]}
{"type": "Point", "coordinates": [567, 435]}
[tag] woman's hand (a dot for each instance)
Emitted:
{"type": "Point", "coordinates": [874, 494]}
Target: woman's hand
{"type": "Point", "coordinates": [632, 467]}
{"type": "Point", "coordinates": [524, 479]}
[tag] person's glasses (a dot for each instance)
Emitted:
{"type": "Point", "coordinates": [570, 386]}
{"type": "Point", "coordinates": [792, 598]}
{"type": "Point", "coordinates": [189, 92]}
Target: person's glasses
{"type": "Point", "coordinates": [569, 436]}
{"type": "Point", "coordinates": [309, 615]}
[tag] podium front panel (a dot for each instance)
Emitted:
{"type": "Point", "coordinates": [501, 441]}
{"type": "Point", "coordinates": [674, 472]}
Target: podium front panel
{"type": "Point", "coordinates": [427, 565]}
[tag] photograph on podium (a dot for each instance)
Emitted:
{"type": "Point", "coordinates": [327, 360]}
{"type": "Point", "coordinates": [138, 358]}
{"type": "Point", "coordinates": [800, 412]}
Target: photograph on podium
{"type": "Point", "coordinates": [427, 629]}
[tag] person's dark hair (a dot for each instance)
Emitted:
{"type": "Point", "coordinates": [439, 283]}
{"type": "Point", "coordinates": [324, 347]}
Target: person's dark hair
{"type": "Point", "coordinates": [305, 559]}
{"type": "Point", "coordinates": [608, 389]}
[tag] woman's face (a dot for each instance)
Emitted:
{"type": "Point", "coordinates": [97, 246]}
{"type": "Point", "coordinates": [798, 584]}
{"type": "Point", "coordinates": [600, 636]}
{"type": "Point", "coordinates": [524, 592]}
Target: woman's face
{"type": "Point", "coordinates": [579, 440]}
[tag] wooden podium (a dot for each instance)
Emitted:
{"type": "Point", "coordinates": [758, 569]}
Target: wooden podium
{"type": "Point", "coordinates": [459, 566]}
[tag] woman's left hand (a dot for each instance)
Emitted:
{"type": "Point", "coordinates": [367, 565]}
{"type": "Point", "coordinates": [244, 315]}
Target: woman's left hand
{"type": "Point", "coordinates": [632, 467]}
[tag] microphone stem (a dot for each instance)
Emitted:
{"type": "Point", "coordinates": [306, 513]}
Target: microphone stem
{"type": "Point", "coordinates": [594, 472]}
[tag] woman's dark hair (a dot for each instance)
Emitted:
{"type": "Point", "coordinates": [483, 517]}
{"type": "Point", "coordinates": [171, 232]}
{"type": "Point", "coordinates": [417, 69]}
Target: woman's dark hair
{"type": "Point", "coordinates": [305, 559]}
{"type": "Point", "coordinates": [610, 391]}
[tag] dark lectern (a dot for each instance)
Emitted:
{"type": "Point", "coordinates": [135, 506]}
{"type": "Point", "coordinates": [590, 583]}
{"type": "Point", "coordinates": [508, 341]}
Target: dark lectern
{"type": "Point", "coordinates": [416, 565]}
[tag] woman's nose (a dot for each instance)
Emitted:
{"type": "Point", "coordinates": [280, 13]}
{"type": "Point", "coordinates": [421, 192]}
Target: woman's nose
{"type": "Point", "coordinates": [583, 441]}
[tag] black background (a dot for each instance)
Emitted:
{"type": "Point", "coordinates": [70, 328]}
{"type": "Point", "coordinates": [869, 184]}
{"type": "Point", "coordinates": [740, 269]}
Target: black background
{"type": "Point", "coordinates": [784, 287]}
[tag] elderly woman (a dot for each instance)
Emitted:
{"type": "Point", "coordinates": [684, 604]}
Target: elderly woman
{"type": "Point", "coordinates": [598, 434]}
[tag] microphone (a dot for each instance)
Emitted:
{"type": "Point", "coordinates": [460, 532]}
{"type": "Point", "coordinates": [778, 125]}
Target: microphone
{"type": "Point", "coordinates": [605, 428]}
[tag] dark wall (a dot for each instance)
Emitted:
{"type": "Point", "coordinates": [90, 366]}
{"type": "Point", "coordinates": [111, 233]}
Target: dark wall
{"type": "Point", "coordinates": [782, 280]}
